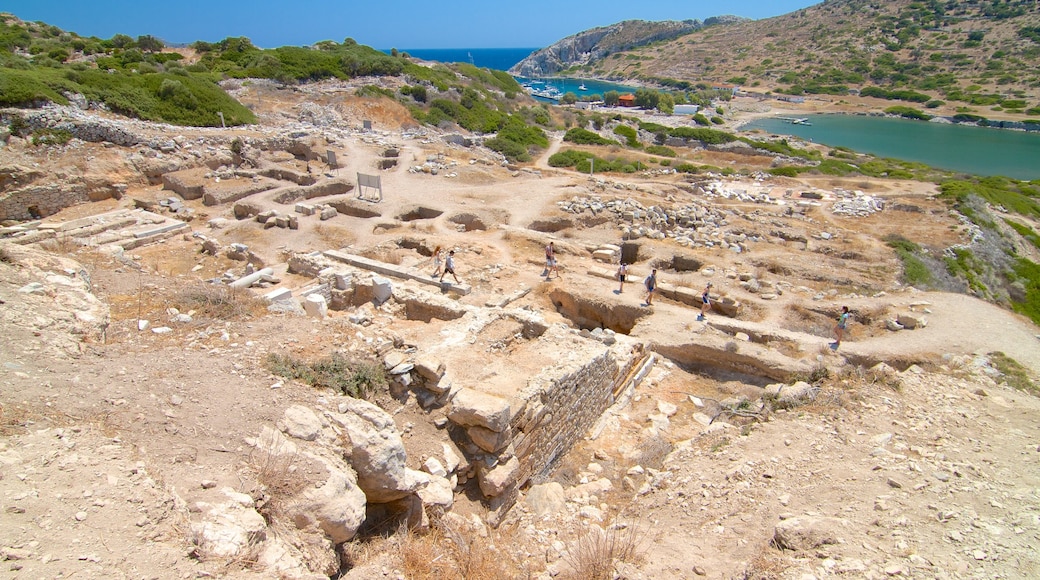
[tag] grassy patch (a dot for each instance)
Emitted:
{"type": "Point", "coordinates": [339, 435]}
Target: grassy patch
{"type": "Point", "coordinates": [915, 271]}
{"type": "Point", "coordinates": [1013, 373]}
{"type": "Point", "coordinates": [355, 378]}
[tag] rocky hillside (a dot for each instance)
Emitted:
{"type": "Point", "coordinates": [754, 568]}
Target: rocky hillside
{"type": "Point", "coordinates": [983, 53]}
{"type": "Point", "coordinates": [599, 43]}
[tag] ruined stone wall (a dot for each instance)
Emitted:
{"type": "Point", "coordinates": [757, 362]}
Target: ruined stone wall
{"type": "Point", "coordinates": [38, 201]}
{"type": "Point", "coordinates": [560, 411]}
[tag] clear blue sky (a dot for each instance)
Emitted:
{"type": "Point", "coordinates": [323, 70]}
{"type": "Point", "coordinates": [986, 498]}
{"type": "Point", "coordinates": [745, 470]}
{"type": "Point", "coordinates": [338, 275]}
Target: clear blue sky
{"type": "Point", "coordinates": [381, 24]}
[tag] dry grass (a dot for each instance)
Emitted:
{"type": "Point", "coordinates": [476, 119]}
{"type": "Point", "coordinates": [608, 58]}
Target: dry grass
{"type": "Point", "coordinates": [279, 481]}
{"type": "Point", "coordinates": [765, 566]}
{"type": "Point", "coordinates": [335, 236]}
{"type": "Point", "coordinates": [596, 552]}
{"type": "Point", "coordinates": [446, 551]}
{"type": "Point", "coordinates": [220, 302]}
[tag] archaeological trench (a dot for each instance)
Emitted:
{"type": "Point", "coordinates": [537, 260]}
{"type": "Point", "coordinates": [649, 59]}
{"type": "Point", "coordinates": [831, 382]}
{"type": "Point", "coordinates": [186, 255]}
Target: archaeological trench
{"type": "Point", "coordinates": [502, 432]}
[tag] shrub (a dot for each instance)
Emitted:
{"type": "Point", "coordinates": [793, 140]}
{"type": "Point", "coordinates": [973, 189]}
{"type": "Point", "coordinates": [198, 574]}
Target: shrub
{"type": "Point", "coordinates": [786, 171]}
{"type": "Point", "coordinates": [585, 137]}
{"type": "Point", "coordinates": [355, 378]}
{"type": "Point", "coordinates": [908, 113]}
{"type": "Point", "coordinates": [630, 135]}
{"type": "Point", "coordinates": [660, 150]}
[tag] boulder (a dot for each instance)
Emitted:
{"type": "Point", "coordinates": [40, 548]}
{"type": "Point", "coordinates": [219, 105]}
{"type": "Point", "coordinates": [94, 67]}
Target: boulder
{"type": "Point", "coordinates": [806, 532]}
{"type": "Point", "coordinates": [375, 451]}
{"type": "Point", "coordinates": [247, 209]}
{"type": "Point", "coordinates": [912, 321]}
{"type": "Point", "coordinates": [229, 529]}
{"type": "Point", "coordinates": [336, 508]}
{"type": "Point", "coordinates": [791, 394]}
{"type": "Point", "coordinates": [438, 492]}
{"type": "Point", "coordinates": [471, 408]}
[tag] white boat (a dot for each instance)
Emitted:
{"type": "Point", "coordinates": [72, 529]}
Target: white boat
{"type": "Point", "coordinates": [582, 87]}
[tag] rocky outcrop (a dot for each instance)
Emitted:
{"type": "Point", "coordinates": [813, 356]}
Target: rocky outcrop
{"type": "Point", "coordinates": [599, 43]}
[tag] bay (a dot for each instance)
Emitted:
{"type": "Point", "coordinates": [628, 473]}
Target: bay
{"type": "Point", "coordinates": [968, 149]}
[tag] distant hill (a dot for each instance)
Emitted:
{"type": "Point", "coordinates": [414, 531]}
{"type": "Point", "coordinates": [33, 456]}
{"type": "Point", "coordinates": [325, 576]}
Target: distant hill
{"type": "Point", "coordinates": [981, 52]}
{"type": "Point", "coordinates": [599, 43]}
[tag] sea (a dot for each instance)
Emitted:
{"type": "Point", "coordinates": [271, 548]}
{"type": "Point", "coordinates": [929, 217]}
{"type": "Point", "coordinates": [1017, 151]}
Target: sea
{"type": "Point", "coordinates": [492, 58]}
{"type": "Point", "coordinates": [505, 58]}
{"type": "Point", "coordinates": [977, 150]}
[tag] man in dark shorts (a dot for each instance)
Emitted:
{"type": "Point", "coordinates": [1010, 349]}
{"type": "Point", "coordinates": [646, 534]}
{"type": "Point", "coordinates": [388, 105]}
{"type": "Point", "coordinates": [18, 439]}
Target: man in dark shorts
{"type": "Point", "coordinates": [449, 267]}
{"type": "Point", "coordinates": [651, 286]}
{"type": "Point", "coordinates": [622, 271]}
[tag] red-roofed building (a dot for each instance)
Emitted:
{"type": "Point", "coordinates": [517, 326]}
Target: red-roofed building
{"type": "Point", "coordinates": [627, 100]}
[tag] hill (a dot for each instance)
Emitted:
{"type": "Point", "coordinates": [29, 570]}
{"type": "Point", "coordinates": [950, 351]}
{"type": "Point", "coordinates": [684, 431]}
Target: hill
{"type": "Point", "coordinates": [599, 43]}
{"type": "Point", "coordinates": [974, 53]}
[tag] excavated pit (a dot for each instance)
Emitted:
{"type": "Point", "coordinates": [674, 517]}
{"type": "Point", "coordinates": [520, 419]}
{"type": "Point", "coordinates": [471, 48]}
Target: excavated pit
{"type": "Point", "coordinates": [590, 314]}
{"type": "Point", "coordinates": [551, 226]}
{"type": "Point", "coordinates": [420, 213]}
{"type": "Point", "coordinates": [468, 221]}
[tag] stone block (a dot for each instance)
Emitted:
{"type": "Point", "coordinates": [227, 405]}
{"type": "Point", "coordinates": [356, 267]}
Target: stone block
{"type": "Point", "coordinates": [314, 305]}
{"type": "Point", "coordinates": [382, 289]}
{"type": "Point", "coordinates": [494, 481]}
{"type": "Point", "coordinates": [912, 321]}
{"type": "Point", "coordinates": [489, 440]}
{"type": "Point", "coordinates": [472, 408]}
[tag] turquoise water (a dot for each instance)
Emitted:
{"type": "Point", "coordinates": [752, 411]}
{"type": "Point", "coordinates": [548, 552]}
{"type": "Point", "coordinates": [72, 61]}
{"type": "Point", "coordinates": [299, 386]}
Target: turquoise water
{"type": "Point", "coordinates": [574, 86]}
{"type": "Point", "coordinates": [504, 59]}
{"type": "Point", "coordinates": [976, 150]}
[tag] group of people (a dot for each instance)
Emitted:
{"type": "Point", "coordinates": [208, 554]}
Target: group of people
{"type": "Point", "coordinates": [650, 284]}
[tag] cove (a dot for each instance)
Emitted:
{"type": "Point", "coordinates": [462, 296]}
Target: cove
{"type": "Point", "coordinates": [966, 149]}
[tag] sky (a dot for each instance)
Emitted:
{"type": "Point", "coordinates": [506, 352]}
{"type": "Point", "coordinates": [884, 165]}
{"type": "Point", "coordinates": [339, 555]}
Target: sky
{"type": "Point", "coordinates": [403, 24]}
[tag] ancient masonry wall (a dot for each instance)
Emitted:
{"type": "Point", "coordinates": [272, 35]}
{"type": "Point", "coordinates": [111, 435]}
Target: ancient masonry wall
{"type": "Point", "coordinates": [559, 412]}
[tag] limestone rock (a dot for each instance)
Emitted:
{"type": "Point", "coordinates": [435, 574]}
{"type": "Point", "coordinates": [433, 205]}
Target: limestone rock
{"type": "Point", "coordinates": [806, 532]}
{"type": "Point", "coordinates": [546, 499]}
{"type": "Point", "coordinates": [337, 507]}
{"type": "Point", "coordinates": [489, 440]}
{"type": "Point", "coordinates": [912, 321]}
{"type": "Point", "coordinates": [376, 451]}
{"type": "Point", "coordinates": [438, 492]}
{"type": "Point", "coordinates": [799, 392]}
{"type": "Point", "coordinates": [228, 529]}
{"type": "Point", "coordinates": [496, 480]}
{"type": "Point", "coordinates": [315, 306]}
{"type": "Point", "coordinates": [470, 408]}
{"type": "Point", "coordinates": [301, 422]}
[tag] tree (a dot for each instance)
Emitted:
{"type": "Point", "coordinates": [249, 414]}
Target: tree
{"type": "Point", "coordinates": [569, 98]}
{"type": "Point", "coordinates": [149, 43]}
{"type": "Point", "coordinates": [121, 41]}
{"type": "Point", "coordinates": [610, 98]}
{"type": "Point", "coordinates": [666, 104]}
{"type": "Point", "coordinates": [647, 98]}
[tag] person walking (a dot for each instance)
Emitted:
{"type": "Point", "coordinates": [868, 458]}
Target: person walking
{"type": "Point", "coordinates": [550, 261]}
{"type": "Point", "coordinates": [449, 267]}
{"type": "Point", "coordinates": [839, 328]}
{"type": "Point", "coordinates": [437, 256]}
{"type": "Point", "coordinates": [651, 286]}
{"type": "Point", "coordinates": [622, 271]}
{"type": "Point", "coordinates": [705, 302]}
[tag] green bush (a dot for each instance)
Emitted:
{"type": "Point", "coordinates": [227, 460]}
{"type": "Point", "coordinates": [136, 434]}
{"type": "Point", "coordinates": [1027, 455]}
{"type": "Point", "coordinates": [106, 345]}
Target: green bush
{"type": "Point", "coordinates": [660, 150]}
{"type": "Point", "coordinates": [785, 171]}
{"type": "Point", "coordinates": [585, 137]}
{"type": "Point", "coordinates": [908, 113]}
{"type": "Point", "coordinates": [354, 378]}
{"type": "Point", "coordinates": [701, 120]}
{"type": "Point", "coordinates": [707, 136]}
{"type": "Point", "coordinates": [631, 135]}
